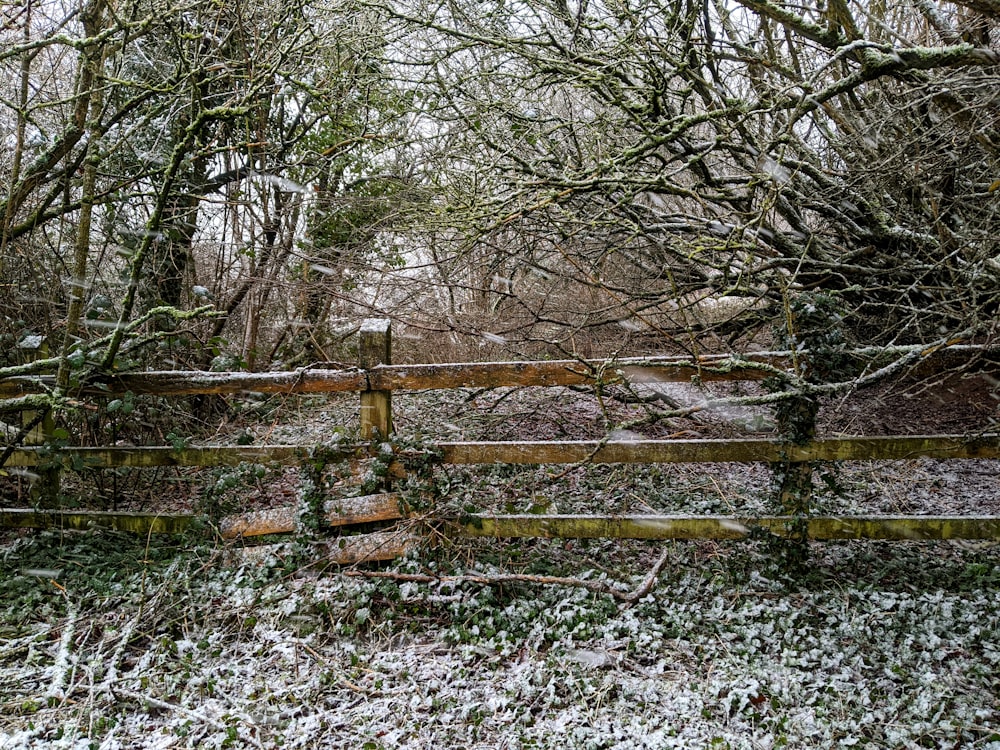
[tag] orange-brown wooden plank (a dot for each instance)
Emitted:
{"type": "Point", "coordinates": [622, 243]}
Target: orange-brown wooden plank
{"type": "Point", "coordinates": [340, 512]}
{"type": "Point", "coordinates": [376, 546]}
{"type": "Point", "coordinates": [372, 547]}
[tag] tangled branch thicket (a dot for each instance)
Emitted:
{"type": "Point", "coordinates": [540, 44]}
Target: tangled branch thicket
{"type": "Point", "coordinates": [548, 178]}
{"type": "Point", "coordinates": [668, 169]}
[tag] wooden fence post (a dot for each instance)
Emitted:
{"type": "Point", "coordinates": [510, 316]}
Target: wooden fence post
{"type": "Point", "coordinates": [796, 418]}
{"type": "Point", "coordinates": [45, 489]}
{"type": "Point", "coordinates": [375, 348]}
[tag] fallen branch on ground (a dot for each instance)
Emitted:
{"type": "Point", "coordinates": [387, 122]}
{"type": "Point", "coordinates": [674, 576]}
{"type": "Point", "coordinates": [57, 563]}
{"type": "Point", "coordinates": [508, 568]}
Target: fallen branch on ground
{"type": "Point", "coordinates": [598, 587]}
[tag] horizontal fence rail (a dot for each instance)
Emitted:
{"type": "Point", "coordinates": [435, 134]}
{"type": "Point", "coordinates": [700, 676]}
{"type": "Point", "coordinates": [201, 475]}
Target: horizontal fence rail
{"type": "Point", "coordinates": [140, 458]}
{"type": "Point", "coordinates": [722, 451]}
{"type": "Point", "coordinates": [370, 509]}
{"type": "Point", "coordinates": [898, 528]}
{"type": "Point", "coordinates": [886, 448]}
{"type": "Point", "coordinates": [280, 520]}
{"type": "Point", "coordinates": [572, 372]}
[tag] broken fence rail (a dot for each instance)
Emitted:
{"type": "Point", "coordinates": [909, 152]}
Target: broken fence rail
{"type": "Point", "coordinates": [279, 520]}
{"type": "Point", "coordinates": [344, 550]}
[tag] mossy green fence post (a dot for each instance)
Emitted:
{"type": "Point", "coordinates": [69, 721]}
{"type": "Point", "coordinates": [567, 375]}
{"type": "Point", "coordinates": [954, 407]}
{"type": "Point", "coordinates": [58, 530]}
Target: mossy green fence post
{"type": "Point", "coordinates": [45, 489]}
{"type": "Point", "coordinates": [814, 336]}
{"type": "Point", "coordinates": [796, 417]}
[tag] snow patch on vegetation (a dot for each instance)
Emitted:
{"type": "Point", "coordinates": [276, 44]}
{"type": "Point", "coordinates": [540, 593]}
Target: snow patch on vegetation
{"type": "Point", "coordinates": [179, 650]}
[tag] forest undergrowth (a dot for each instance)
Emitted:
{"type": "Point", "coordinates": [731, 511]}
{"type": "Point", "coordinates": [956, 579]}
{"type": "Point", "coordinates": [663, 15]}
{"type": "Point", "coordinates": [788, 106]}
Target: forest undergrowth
{"type": "Point", "coordinates": [109, 641]}
{"type": "Point", "coordinates": [112, 641]}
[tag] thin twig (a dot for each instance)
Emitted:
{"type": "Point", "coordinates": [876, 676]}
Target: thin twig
{"type": "Point", "coordinates": [597, 587]}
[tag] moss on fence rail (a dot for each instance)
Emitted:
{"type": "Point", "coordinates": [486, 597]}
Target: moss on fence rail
{"type": "Point", "coordinates": [207, 456]}
{"type": "Point", "coordinates": [896, 528]}
{"type": "Point", "coordinates": [384, 507]}
{"type": "Point", "coordinates": [708, 451]}
{"type": "Point", "coordinates": [340, 512]}
{"type": "Point", "coordinates": [548, 452]}
{"type": "Point", "coordinates": [136, 523]}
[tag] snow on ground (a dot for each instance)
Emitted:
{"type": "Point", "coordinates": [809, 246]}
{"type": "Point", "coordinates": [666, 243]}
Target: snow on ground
{"type": "Point", "coordinates": [875, 646]}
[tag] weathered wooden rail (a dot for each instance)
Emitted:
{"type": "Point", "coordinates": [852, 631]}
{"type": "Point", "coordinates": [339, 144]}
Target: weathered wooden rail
{"type": "Point", "coordinates": [375, 379]}
{"type": "Point", "coordinates": [887, 448]}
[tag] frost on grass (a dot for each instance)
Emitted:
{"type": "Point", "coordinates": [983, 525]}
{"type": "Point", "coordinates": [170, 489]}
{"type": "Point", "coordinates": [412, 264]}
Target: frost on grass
{"type": "Point", "coordinates": [895, 647]}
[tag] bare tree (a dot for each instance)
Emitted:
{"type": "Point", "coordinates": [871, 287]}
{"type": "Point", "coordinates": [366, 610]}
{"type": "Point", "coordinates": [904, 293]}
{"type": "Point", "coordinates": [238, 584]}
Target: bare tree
{"type": "Point", "coordinates": [690, 169]}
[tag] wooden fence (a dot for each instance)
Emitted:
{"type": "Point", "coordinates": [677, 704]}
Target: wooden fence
{"type": "Point", "coordinates": [376, 378]}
